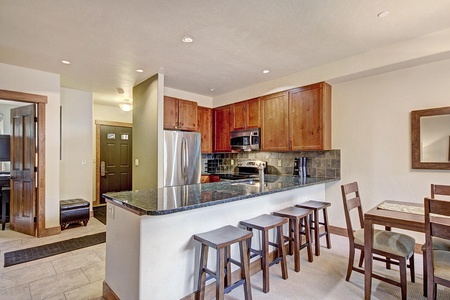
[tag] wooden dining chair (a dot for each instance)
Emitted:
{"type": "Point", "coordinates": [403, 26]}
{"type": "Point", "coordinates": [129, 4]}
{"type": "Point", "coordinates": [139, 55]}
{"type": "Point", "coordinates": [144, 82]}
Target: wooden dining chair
{"type": "Point", "coordinates": [390, 247]}
{"type": "Point", "coordinates": [443, 193]}
{"type": "Point", "coordinates": [438, 261]}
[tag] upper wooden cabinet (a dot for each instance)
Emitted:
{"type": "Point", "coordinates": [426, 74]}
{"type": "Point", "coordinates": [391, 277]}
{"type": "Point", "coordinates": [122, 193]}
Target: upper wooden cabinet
{"type": "Point", "coordinates": [246, 114]}
{"type": "Point", "coordinates": [298, 119]}
{"type": "Point", "coordinates": [180, 114]}
{"type": "Point", "coordinates": [310, 117]}
{"type": "Point", "coordinates": [222, 128]}
{"type": "Point", "coordinates": [205, 127]}
{"type": "Point", "coordinates": [274, 122]}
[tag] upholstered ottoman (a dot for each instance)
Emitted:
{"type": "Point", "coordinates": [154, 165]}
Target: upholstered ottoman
{"type": "Point", "coordinates": [73, 211]}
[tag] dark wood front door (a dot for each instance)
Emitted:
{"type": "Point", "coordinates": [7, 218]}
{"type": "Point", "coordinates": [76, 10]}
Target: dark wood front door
{"type": "Point", "coordinates": [115, 159]}
{"type": "Point", "coordinates": [23, 182]}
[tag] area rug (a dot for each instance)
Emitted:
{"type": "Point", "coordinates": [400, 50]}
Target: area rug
{"type": "Point", "coordinates": [100, 213]}
{"type": "Point", "coordinates": [29, 254]}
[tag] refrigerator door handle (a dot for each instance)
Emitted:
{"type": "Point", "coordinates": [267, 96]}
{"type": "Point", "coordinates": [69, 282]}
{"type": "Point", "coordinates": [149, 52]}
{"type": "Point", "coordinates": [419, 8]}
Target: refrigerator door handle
{"type": "Point", "coordinates": [183, 163]}
{"type": "Point", "coordinates": [186, 162]}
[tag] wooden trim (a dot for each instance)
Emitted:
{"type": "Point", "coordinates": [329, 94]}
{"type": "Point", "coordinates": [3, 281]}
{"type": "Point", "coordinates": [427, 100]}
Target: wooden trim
{"type": "Point", "coordinates": [98, 123]}
{"type": "Point", "coordinates": [40, 100]}
{"type": "Point", "coordinates": [112, 123]}
{"type": "Point", "coordinates": [22, 97]}
{"type": "Point", "coordinates": [415, 138]}
{"type": "Point", "coordinates": [338, 230]}
{"type": "Point", "coordinates": [51, 231]}
{"type": "Point", "coordinates": [108, 293]}
{"type": "Point", "coordinates": [41, 231]}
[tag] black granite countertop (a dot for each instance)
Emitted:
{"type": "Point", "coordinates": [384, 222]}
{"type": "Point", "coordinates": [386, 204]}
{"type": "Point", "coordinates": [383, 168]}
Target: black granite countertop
{"type": "Point", "coordinates": [169, 200]}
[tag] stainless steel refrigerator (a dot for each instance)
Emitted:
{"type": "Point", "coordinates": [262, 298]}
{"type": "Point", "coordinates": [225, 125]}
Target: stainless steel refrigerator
{"type": "Point", "coordinates": [182, 158]}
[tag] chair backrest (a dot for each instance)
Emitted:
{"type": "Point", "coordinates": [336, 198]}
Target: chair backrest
{"type": "Point", "coordinates": [438, 208]}
{"type": "Point", "coordinates": [440, 190]}
{"type": "Point", "coordinates": [351, 200]}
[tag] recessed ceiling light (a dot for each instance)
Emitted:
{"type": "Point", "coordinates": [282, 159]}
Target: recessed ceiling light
{"type": "Point", "coordinates": [140, 71]}
{"type": "Point", "coordinates": [187, 39]}
{"type": "Point", "coordinates": [211, 89]}
{"type": "Point", "coordinates": [383, 14]}
{"type": "Point", "coordinates": [66, 62]}
{"type": "Point", "coordinates": [266, 71]}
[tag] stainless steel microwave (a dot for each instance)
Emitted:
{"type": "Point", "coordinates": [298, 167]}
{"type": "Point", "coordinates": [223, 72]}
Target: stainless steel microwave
{"type": "Point", "coordinates": [245, 139]}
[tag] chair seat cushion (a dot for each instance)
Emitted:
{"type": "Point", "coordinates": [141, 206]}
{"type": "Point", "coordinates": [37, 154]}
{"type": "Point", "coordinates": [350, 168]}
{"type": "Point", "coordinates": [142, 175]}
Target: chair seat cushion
{"type": "Point", "coordinates": [438, 244]}
{"type": "Point", "coordinates": [441, 264]}
{"type": "Point", "coordinates": [387, 241]}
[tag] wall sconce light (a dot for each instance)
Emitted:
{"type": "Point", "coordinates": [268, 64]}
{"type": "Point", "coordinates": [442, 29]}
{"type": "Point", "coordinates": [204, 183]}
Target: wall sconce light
{"type": "Point", "coordinates": [126, 106]}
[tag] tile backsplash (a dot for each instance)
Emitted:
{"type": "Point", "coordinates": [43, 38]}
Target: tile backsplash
{"type": "Point", "coordinates": [324, 164]}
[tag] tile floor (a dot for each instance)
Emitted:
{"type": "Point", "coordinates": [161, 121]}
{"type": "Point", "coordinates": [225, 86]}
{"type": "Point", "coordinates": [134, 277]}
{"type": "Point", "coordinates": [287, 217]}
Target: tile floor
{"type": "Point", "coordinates": [73, 275]}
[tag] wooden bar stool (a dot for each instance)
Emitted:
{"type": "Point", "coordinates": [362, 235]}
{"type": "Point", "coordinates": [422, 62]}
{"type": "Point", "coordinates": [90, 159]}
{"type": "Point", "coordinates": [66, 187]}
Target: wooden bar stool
{"type": "Point", "coordinates": [298, 218]}
{"type": "Point", "coordinates": [264, 223]}
{"type": "Point", "coordinates": [316, 206]}
{"type": "Point", "coordinates": [221, 239]}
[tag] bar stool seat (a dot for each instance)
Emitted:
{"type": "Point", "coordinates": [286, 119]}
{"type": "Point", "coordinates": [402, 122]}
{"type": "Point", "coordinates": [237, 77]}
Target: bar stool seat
{"type": "Point", "coordinates": [316, 206]}
{"type": "Point", "coordinates": [264, 223]}
{"type": "Point", "coordinates": [298, 217]}
{"type": "Point", "coordinates": [221, 239]}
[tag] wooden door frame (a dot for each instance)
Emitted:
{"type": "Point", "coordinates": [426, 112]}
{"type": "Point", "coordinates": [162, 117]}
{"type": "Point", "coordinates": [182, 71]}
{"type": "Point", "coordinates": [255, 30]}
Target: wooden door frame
{"type": "Point", "coordinates": [98, 123]}
{"type": "Point", "coordinates": [41, 102]}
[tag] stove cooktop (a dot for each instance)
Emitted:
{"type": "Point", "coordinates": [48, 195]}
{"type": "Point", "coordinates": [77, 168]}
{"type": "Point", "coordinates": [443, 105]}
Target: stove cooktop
{"type": "Point", "coordinates": [237, 176]}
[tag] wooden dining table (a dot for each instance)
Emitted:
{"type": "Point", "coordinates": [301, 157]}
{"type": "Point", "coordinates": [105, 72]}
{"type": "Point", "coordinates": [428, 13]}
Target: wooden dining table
{"type": "Point", "coordinates": [414, 221]}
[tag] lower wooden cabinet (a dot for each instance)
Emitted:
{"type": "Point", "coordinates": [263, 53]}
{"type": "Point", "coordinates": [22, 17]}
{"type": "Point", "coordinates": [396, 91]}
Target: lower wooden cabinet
{"type": "Point", "coordinates": [210, 178]}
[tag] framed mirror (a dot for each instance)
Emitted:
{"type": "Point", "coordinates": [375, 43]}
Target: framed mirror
{"type": "Point", "coordinates": [430, 135]}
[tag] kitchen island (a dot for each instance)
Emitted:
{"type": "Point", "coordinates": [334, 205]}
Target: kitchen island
{"type": "Point", "coordinates": [150, 251]}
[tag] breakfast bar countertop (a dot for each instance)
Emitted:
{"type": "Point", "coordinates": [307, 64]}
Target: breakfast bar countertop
{"type": "Point", "coordinates": [175, 199]}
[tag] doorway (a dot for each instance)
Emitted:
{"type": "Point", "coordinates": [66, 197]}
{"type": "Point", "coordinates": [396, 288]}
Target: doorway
{"type": "Point", "coordinates": [38, 160]}
{"type": "Point", "coordinates": [113, 158]}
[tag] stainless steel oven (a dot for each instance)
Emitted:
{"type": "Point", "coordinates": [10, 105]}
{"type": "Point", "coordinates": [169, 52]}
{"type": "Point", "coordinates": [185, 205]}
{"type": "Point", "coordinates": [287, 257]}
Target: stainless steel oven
{"type": "Point", "coordinates": [245, 139]}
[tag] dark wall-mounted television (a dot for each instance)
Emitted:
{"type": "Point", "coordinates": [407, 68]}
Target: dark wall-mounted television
{"type": "Point", "coordinates": [4, 147]}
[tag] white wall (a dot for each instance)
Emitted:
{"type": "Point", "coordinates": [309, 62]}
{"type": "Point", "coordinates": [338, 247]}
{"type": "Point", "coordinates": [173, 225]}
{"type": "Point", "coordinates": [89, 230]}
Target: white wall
{"type": "Point", "coordinates": [24, 80]}
{"type": "Point", "coordinates": [77, 160]}
{"type": "Point", "coordinates": [372, 127]}
{"type": "Point", "coordinates": [112, 114]}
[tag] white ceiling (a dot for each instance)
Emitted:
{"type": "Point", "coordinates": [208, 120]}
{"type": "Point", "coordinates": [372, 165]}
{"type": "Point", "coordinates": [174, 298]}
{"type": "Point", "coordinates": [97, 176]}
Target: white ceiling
{"type": "Point", "coordinates": [234, 40]}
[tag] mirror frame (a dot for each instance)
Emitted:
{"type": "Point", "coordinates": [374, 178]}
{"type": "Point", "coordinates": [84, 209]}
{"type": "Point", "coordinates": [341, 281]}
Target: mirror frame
{"type": "Point", "coordinates": [415, 138]}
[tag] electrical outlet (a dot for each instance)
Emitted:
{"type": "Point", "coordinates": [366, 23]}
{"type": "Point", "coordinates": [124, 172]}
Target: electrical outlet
{"type": "Point", "coordinates": [111, 212]}
{"type": "Point", "coordinates": [136, 162]}
{"type": "Point", "coordinates": [279, 162]}
{"type": "Point", "coordinates": [83, 162]}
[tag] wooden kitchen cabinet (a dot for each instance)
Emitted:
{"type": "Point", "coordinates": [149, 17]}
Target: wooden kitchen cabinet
{"type": "Point", "coordinates": [205, 127]}
{"type": "Point", "coordinates": [297, 119]}
{"type": "Point", "coordinates": [246, 114]}
{"type": "Point", "coordinates": [222, 128]}
{"type": "Point", "coordinates": [274, 122]}
{"type": "Point", "coordinates": [180, 114]}
{"type": "Point", "coordinates": [310, 117]}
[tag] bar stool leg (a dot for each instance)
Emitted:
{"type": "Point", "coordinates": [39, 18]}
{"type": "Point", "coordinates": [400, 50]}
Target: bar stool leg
{"type": "Point", "coordinates": [296, 225]}
{"type": "Point", "coordinates": [201, 274]}
{"type": "Point", "coordinates": [308, 239]}
{"type": "Point", "coordinates": [281, 251]}
{"type": "Point", "coordinates": [265, 260]}
{"type": "Point", "coordinates": [325, 219]}
{"type": "Point", "coordinates": [227, 266]}
{"type": "Point", "coordinates": [245, 270]}
{"type": "Point", "coordinates": [316, 232]}
{"type": "Point", "coordinates": [221, 253]}
{"type": "Point", "coordinates": [291, 237]}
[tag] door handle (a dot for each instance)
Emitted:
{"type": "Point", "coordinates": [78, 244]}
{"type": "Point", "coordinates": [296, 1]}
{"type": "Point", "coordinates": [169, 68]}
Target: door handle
{"type": "Point", "coordinates": [102, 169]}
